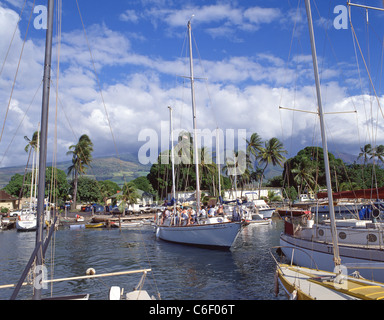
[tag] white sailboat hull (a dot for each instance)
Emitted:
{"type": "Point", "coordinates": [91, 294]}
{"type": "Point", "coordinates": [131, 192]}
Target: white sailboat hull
{"type": "Point", "coordinates": [26, 224]}
{"type": "Point", "coordinates": [218, 235]}
{"type": "Point", "coordinates": [341, 209]}
{"type": "Point", "coordinates": [322, 254]}
{"type": "Point", "coordinates": [267, 213]}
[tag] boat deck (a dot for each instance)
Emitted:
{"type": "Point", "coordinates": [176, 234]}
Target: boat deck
{"type": "Point", "coordinates": [321, 285]}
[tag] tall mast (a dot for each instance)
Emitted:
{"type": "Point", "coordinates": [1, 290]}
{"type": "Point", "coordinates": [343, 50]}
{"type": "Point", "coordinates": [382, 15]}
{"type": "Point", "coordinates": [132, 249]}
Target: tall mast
{"type": "Point", "coordinates": [195, 152]}
{"type": "Point", "coordinates": [31, 204]}
{"type": "Point", "coordinates": [218, 159]}
{"type": "Point", "coordinates": [336, 254]}
{"type": "Point", "coordinates": [43, 141]}
{"type": "Point", "coordinates": [36, 173]}
{"type": "Point", "coordinates": [173, 165]}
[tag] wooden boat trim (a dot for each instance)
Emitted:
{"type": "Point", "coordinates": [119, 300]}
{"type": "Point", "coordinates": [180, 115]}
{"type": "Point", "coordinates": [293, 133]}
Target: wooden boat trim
{"type": "Point", "coordinates": [290, 288]}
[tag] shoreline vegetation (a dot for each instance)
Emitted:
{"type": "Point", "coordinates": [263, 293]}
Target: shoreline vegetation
{"type": "Point", "coordinates": [303, 173]}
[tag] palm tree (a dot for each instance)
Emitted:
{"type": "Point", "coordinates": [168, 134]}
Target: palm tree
{"type": "Point", "coordinates": [237, 166]}
{"type": "Point", "coordinates": [81, 159]}
{"type": "Point", "coordinates": [256, 175]}
{"type": "Point", "coordinates": [31, 142]}
{"type": "Point", "coordinates": [207, 168]}
{"type": "Point", "coordinates": [348, 185]}
{"type": "Point", "coordinates": [129, 195]}
{"type": "Point", "coordinates": [272, 153]}
{"type": "Point", "coordinates": [229, 169]}
{"type": "Point", "coordinates": [244, 180]}
{"type": "Point", "coordinates": [32, 145]}
{"type": "Point", "coordinates": [254, 146]}
{"type": "Point", "coordinates": [272, 196]}
{"type": "Point", "coordinates": [303, 174]}
{"type": "Point", "coordinates": [378, 152]}
{"type": "Point", "coordinates": [365, 152]}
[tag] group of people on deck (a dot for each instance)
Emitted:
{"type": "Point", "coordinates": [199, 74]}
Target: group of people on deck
{"type": "Point", "coordinates": [187, 215]}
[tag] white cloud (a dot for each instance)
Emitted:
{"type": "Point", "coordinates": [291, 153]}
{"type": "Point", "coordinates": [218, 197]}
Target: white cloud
{"type": "Point", "coordinates": [258, 15]}
{"type": "Point", "coordinates": [15, 3]}
{"type": "Point", "coordinates": [129, 16]}
{"type": "Point", "coordinates": [108, 47]}
{"type": "Point", "coordinates": [229, 16]}
{"type": "Point", "coordinates": [244, 92]}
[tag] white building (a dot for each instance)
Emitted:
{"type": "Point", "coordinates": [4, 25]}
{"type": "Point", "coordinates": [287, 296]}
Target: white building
{"type": "Point", "coordinates": [251, 193]}
{"type": "Point", "coordinates": [185, 196]}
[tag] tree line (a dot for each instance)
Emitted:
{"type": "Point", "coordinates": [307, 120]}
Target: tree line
{"type": "Point", "coordinates": [79, 188]}
{"type": "Point", "coordinates": [301, 174]}
{"type": "Point", "coordinates": [305, 172]}
{"type": "Point", "coordinates": [259, 155]}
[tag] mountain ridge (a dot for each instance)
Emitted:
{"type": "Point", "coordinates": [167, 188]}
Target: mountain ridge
{"type": "Point", "coordinates": [118, 169]}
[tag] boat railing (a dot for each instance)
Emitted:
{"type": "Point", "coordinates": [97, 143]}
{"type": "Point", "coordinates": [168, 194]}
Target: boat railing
{"type": "Point", "coordinates": [91, 275]}
{"type": "Point", "coordinates": [364, 265]}
{"type": "Point", "coordinates": [278, 248]}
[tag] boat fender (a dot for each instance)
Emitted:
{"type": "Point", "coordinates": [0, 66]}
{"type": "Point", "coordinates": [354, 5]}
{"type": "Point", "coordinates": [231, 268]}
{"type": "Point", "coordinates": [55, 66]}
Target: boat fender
{"type": "Point", "coordinates": [276, 287]}
{"type": "Point", "coordinates": [115, 293]}
{"type": "Point", "coordinates": [90, 272]}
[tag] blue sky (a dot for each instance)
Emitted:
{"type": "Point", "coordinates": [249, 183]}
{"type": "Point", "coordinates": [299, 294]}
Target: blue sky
{"type": "Point", "coordinates": [254, 54]}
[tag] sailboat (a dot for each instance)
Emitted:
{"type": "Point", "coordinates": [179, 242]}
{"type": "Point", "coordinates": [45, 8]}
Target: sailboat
{"type": "Point", "coordinates": [35, 265]}
{"type": "Point", "coordinates": [360, 241]}
{"type": "Point", "coordinates": [311, 282]}
{"type": "Point", "coordinates": [27, 220]}
{"type": "Point", "coordinates": [217, 235]}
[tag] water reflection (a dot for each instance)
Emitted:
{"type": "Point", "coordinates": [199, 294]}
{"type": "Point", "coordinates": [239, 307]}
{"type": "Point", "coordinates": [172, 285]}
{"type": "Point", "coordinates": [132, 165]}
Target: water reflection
{"type": "Point", "coordinates": [179, 272]}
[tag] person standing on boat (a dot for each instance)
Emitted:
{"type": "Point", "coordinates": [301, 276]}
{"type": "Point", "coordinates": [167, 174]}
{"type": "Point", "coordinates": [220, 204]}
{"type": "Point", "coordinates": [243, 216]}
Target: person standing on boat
{"type": "Point", "coordinates": [184, 217]}
{"type": "Point", "coordinates": [192, 216]}
{"type": "Point", "coordinates": [167, 214]}
{"type": "Point", "coordinates": [236, 216]}
{"type": "Point", "coordinates": [203, 213]}
{"type": "Point", "coordinates": [163, 216]}
{"type": "Point", "coordinates": [189, 213]}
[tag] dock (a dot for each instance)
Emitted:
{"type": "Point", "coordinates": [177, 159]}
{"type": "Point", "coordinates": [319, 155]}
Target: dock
{"type": "Point", "coordinates": [116, 219]}
{"type": "Point", "coordinates": [107, 220]}
{"type": "Point", "coordinates": [70, 219]}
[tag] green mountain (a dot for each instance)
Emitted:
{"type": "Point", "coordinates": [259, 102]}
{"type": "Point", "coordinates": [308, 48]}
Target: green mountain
{"type": "Point", "coordinates": [111, 168]}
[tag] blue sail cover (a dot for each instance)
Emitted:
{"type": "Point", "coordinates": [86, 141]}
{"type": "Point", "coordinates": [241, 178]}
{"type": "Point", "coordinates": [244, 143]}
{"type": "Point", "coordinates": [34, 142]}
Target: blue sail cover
{"type": "Point", "coordinates": [169, 204]}
{"type": "Point", "coordinates": [365, 213]}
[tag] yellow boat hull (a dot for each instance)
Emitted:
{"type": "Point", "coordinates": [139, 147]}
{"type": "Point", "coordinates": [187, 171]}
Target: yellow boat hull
{"type": "Point", "coordinates": [95, 225]}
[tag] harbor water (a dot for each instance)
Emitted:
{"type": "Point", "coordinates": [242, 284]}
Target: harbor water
{"type": "Point", "coordinates": [246, 272]}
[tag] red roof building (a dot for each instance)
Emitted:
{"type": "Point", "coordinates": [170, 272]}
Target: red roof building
{"type": "Point", "coordinates": [7, 201]}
